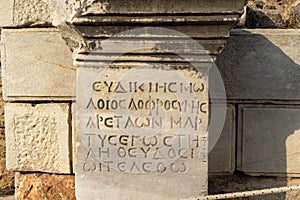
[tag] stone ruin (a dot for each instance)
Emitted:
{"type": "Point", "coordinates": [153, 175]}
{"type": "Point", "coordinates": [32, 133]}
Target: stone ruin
{"type": "Point", "coordinates": [116, 93]}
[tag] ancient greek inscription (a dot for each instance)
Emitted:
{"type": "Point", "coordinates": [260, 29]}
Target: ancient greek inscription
{"type": "Point", "coordinates": [154, 123]}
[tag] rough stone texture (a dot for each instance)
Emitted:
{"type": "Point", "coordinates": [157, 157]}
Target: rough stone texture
{"type": "Point", "coordinates": [261, 65]}
{"type": "Point", "coordinates": [44, 187]}
{"type": "Point", "coordinates": [268, 142]}
{"type": "Point", "coordinates": [222, 157]}
{"type": "Point", "coordinates": [272, 14]}
{"type": "Point", "coordinates": [240, 182]}
{"type": "Point", "coordinates": [24, 13]}
{"type": "Point", "coordinates": [259, 18]}
{"type": "Point", "coordinates": [43, 52]}
{"type": "Point", "coordinates": [31, 12]}
{"type": "Point", "coordinates": [6, 177]}
{"type": "Point", "coordinates": [295, 13]}
{"type": "Point", "coordinates": [37, 137]}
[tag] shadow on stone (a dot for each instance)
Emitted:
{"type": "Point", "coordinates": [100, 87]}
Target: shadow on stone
{"type": "Point", "coordinates": [261, 70]}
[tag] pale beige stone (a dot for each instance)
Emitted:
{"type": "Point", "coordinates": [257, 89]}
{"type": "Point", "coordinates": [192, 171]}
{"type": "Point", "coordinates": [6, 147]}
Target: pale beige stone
{"type": "Point", "coordinates": [24, 13]}
{"type": "Point", "coordinates": [6, 13]}
{"type": "Point", "coordinates": [37, 137]}
{"type": "Point", "coordinates": [31, 13]}
{"type": "Point", "coordinates": [36, 65]}
{"type": "Point", "coordinates": [292, 152]}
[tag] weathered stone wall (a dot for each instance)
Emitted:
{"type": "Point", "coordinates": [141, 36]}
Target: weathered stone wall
{"type": "Point", "coordinates": [260, 70]}
{"type": "Point", "coordinates": [258, 147]}
{"type": "Point", "coordinates": [6, 177]}
{"type": "Point", "coordinates": [38, 85]}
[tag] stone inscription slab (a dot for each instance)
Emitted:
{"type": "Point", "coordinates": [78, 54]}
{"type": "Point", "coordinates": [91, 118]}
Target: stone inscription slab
{"type": "Point", "coordinates": [142, 133]}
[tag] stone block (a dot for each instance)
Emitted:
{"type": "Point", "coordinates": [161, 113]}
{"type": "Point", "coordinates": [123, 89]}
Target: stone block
{"type": "Point", "coordinates": [6, 13]}
{"type": "Point", "coordinates": [44, 186]}
{"type": "Point", "coordinates": [174, 139]}
{"type": "Point", "coordinates": [37, 137]}
{"type": "Point", "coordinates": [24, 13]}
{"type": "Point", "coordinates": [261, 65]}
{"type": "Point", "coordinates": [269, 137]}
{"type": "Point", "coordinates": [221, 159]}
{"type": "Point", "coordinates": [36, 65]}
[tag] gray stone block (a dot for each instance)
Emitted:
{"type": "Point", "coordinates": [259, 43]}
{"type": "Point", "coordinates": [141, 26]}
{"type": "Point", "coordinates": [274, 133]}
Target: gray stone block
{"type": "Point", "coordinates": [269, 140]}
{"type": "Point", "coordinates": [221, 159]}
{"type": "Point", "coordinates": [261, 64]}
{"type": "Point", "coordinates": [37, 137]}
{"type": "Point", "coordinates": [36, 65]}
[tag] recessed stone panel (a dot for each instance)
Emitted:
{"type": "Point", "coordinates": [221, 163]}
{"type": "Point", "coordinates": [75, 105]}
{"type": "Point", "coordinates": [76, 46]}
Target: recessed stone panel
{"type": "Point", "coordinates": [37, 137]}
{"type": "Point", "coordinates": [269, 138]}
{"type": "Point", "coordinates": [36, 65]}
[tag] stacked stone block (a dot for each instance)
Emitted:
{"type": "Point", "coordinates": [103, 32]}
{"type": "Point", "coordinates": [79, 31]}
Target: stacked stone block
{"type": "Point", "coordinates": [38, 91]}
{"type": "Point", "coordinates": [260, 69]}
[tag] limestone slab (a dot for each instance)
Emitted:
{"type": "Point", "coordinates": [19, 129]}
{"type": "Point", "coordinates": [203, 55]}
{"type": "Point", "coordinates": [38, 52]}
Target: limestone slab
{"type": "Point", "coordinates": [261, 65]}
{"type": "Point", "coordinates": [117, 168]}
{"type": "Point", "coordinates": [221, 159]}
{"type": "Point", "coordinates": [37, 137]}
{"type": "Point", "coordinates": [269, 137]}
{"type": "Point", "coordinates": [36, 65]}
{"type": "Point", "coordinates": [6, 13]}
